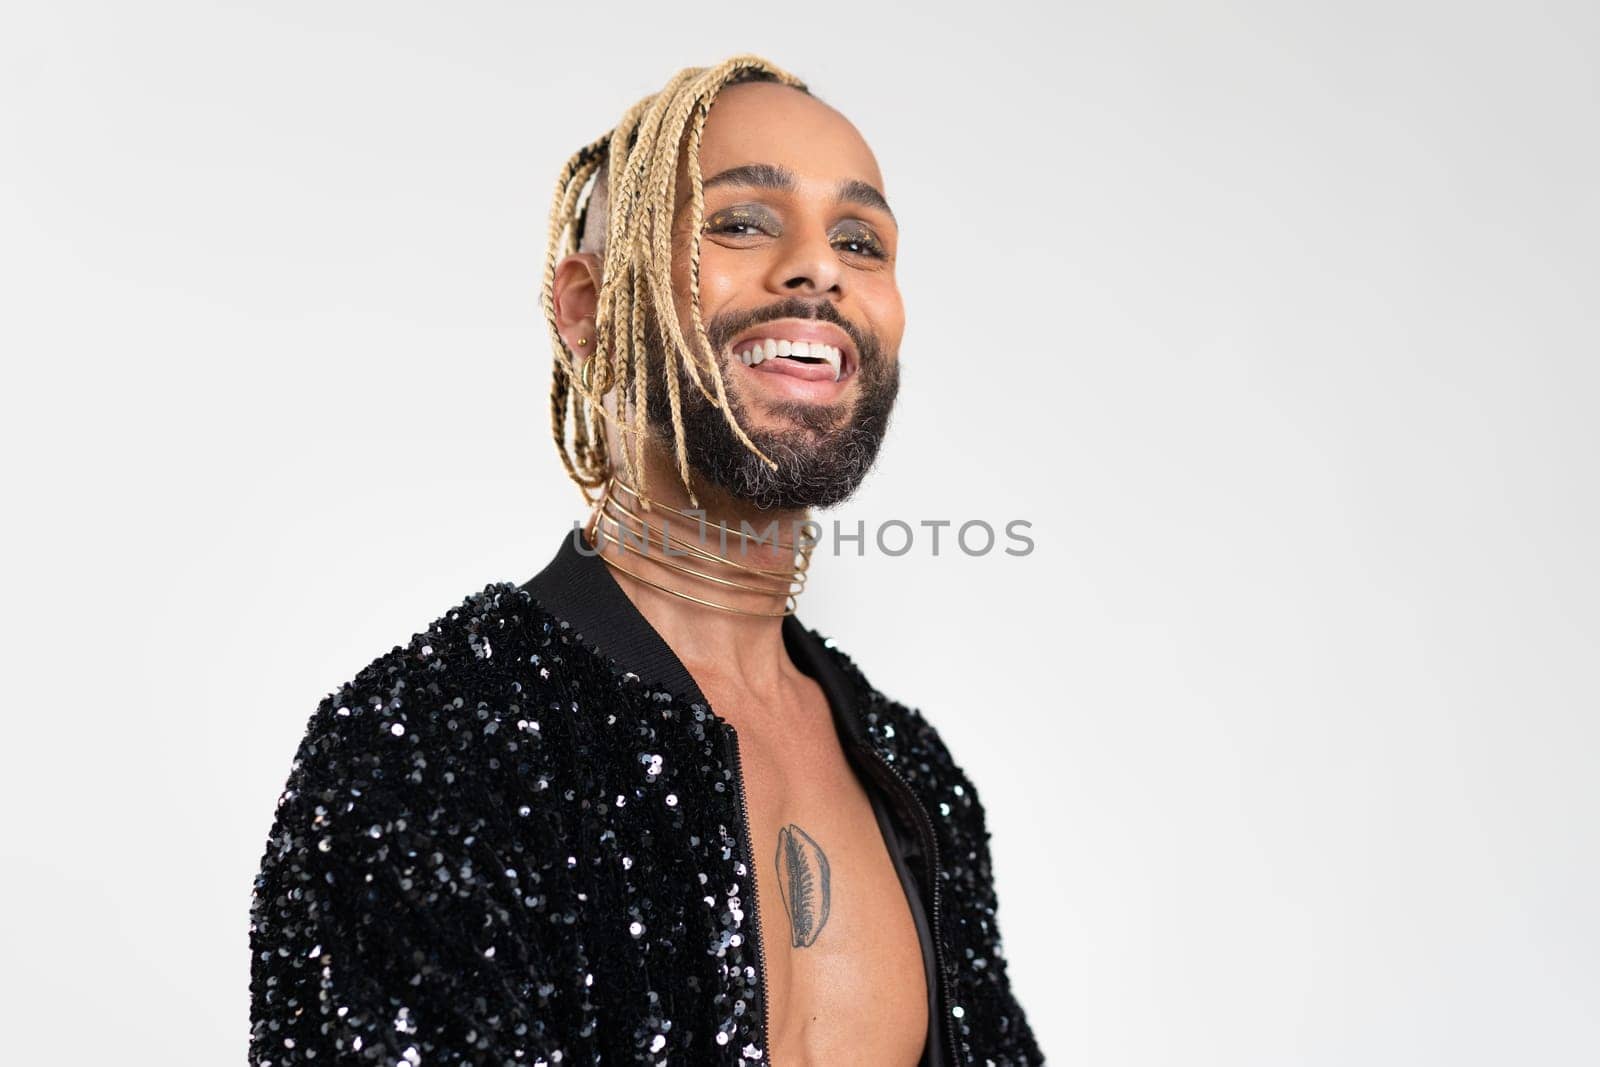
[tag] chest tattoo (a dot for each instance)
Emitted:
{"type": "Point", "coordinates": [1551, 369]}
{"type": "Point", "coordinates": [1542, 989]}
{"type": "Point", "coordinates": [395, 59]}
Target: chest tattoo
{"type": "Point", "coordinates": [803, 882]}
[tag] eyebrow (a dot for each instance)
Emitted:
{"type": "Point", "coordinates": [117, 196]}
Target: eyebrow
{"type": "Point", "coordinates": [772, 176]}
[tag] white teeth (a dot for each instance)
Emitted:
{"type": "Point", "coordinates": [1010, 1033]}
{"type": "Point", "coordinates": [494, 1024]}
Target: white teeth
{"type": "Point", "coordinates": [832, 355]}
{"type": "Point", "coordinates": [771, 348]}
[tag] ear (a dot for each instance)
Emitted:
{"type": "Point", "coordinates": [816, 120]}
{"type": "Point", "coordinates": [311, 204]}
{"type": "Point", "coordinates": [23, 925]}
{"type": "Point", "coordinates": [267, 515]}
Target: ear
{"type": "Point", "coordinates": [577, 296]}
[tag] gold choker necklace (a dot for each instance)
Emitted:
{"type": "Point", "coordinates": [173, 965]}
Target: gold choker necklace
{"type": "Point", "coordinates": [784, 582]}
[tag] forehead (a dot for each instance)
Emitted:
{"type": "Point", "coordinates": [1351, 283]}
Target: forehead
{"type": "Point", "coordinates": [760, 122]}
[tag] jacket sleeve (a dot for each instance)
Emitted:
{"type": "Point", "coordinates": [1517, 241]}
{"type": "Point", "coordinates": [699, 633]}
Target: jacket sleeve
{"type": "Point", "coordinates": [384, 928]}
{"type": "Point", "coordinates": [995, 1019]}
{"type": "Point", "coordinates": [1006, 1013]}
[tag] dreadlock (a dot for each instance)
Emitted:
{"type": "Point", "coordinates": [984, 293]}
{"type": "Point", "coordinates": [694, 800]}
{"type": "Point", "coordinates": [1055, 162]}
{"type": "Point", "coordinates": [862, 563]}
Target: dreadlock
{"type": "Point", "coordinates": [636, 277]}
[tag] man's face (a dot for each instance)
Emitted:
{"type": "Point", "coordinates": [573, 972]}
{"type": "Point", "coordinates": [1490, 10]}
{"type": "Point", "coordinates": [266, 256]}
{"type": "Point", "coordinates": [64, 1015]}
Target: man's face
{"type": "Point", "coordinates": [798, 246]}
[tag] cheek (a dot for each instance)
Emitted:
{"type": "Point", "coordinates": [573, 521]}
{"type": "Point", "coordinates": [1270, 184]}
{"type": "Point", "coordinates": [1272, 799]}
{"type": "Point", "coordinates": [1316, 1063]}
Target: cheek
{"type": "Point", "coordinates": [723, 276]}
{"type": "Point", "coordinates": [887, 313]}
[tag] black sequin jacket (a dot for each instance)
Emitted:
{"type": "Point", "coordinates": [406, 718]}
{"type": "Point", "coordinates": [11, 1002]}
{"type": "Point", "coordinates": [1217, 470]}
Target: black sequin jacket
{"type": "Point", "coordinates": [521, 839]}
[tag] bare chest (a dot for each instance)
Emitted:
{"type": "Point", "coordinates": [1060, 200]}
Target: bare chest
{"type": "Point", "coordinates": [843, 962]}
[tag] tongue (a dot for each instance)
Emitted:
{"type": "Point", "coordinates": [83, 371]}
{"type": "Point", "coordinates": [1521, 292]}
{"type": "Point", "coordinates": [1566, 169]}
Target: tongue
{"type": "Point", "coordinates": [820, 371]}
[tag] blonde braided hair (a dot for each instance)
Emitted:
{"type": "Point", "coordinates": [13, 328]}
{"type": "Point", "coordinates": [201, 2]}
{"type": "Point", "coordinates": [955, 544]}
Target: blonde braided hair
{"type": "Point", "coordinates": [641, 156]}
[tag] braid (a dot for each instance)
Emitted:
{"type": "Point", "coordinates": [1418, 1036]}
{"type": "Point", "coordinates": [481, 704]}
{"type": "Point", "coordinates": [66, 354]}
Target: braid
{"type": "Point", "coordinates": [581, 462]}
{"type": "Point", "coordinates": [640, 160]}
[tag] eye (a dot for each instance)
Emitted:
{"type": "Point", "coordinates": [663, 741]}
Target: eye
{"type": "Point", "coordinates": [860, 241]}
{"type": "Point", "coordinates": [742, 222]}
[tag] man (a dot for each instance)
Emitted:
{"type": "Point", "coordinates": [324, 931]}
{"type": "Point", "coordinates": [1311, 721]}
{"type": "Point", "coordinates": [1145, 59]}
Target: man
{"type": "Point", "coordinates": [632, 810]}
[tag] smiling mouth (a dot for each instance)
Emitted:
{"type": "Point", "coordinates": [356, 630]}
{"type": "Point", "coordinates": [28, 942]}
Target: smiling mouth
{"type": "Point", "coordinates": [810, 360]}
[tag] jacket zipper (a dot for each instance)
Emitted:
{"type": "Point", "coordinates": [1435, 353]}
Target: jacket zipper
{"type": "Point", "coordinates": [755, 909]}
{"type": "Point", "coordinates": [930, 842]}
{"type": "Point", "coordinates": [932, 845]}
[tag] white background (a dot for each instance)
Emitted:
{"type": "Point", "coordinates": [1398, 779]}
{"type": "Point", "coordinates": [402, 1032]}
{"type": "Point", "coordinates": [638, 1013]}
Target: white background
{"type": "Point", "coordinates": [1278, 322]}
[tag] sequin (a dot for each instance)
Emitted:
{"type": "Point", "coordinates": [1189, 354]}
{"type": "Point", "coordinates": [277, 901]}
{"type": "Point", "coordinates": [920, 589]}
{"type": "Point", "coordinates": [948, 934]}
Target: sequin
{"type": "Point", "coordinates": [436, 889]}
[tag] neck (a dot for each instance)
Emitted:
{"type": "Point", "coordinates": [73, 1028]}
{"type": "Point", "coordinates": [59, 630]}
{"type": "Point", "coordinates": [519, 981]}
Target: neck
{"type": "Point", "coordinates": [725, 618]}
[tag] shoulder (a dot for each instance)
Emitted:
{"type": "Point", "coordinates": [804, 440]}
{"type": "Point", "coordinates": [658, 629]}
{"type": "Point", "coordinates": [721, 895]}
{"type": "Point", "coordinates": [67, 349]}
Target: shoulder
{"type": "Point", "coordinates": [418, 721]}
{"type": "Point", "coordinates": [905, 734]}
{"type": "Point", "coordinates": [463, 717]}
{"type": "Point", "coordinates": [456, 649]}
{"type": "Point", "coordinates": [464, 671]}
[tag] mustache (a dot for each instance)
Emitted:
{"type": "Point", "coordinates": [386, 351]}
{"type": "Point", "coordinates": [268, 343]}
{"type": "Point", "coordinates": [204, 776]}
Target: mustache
{"type": "Point", "coordinates": [724, 327]}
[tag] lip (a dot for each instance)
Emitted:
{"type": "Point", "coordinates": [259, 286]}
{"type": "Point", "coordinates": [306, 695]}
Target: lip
{"type": "Point", "coordinates": [806, 330]}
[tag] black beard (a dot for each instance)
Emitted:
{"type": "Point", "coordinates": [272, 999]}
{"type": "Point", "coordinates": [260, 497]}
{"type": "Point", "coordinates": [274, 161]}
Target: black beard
{"type": "Point", "coordinates": [821, 460]}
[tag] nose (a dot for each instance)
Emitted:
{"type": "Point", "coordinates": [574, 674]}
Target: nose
{"type": "Point", "coordinates": [807, 265]}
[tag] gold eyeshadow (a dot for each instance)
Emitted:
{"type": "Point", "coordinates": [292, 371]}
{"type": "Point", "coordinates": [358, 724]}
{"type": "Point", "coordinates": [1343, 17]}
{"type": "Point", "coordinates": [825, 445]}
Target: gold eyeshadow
{"type": "Point", "coordinates": [766, 220]}
{"type": "Point", "coordinates": [740, 213]}
{"type": "Point", "coordinates": [863, 234]}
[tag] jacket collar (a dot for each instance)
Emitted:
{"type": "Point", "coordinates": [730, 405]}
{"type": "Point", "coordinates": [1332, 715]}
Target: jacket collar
{"type": "Point", "coordinates": [578, 587]}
